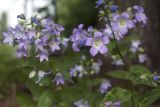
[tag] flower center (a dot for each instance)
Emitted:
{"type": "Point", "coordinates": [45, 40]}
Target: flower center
{"type": "Point", "coordinates": [122, 22]}
{"type": "Point", "coordinates": [97, 43]}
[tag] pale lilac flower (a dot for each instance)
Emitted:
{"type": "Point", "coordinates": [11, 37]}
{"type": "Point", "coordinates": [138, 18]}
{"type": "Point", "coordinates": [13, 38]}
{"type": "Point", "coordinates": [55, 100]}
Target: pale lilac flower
{"type": "Point", "coordinates": [139, 15]}
{"type": "Point", "coordinates": [108, 32]}
{"type": "Point", "coordinates": [51, 27]}
{"type": "Point", "coordinates": [99, 2]}
{"type": "Point", "coordinates": [121, 23]}
{"type": "Point", "coordinates": [73, 72]}
{"type": "Point", "coordinates": [142, 58]}
{"type": "Point", "coordinates": [81, 70]}
{"type": "Point", "coordinates": [54, 45]}
{"type": "Point", "coordinates": [57, 29]}
{"type": "Point", "coordinates": [111, 104]}
{"type": "Point", "coordinates": [21, 52]}
{"type": "Point", "coordinates": [59, 79]}
{"type": "Point", "coordinates": [43, 55]}
{"type": "Point", "coordinates": [81, 103]}
{"type": "Point", "coordinates": [135, 45]}
{"type": "Point", "coordinates": [118, 62]}
{"type": "Point", "coordinates": [40, 43]}
{"type": "Point", "coordinates": [90, 29]}
{"type": "Point", "coordinates": [64, 42]}
{"type": "Point", "coordinates": [97, 43]}
{"type": "Point", "coordinates": [22, 43]}
{"type": "Point", "coordinates": [95, 67]}
{"type": "Point", "coordinates": [78, 38]}
{"type": "Point", "coordinates": [105, 85]}
{"type": "Point", "coordinates": [47, 23]}
{"type": "Point", "coordinates": [31, 33]}
{"type": "Point", "coordinates": [41, 75]}
{"type": "Point", "coordinates": [19, 32]}
{"type": "Point", "coordinates": [8, 37]}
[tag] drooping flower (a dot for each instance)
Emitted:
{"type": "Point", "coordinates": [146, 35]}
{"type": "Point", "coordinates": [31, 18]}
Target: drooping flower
{"type": "Point", "coordinates": [111, 104]}
{"type": "Point", "coordinates": [98, 43]}
{"type": "Point", "coordinates": [21, 52]}
{"type": "Point", "coordinates": [135, 45]}
{"type": "Point", "coordinates": [142, 58]}
{"type": "Point", "coordinates": [41, 75]}
{"type": "Point", "coordinates": [73, 72]}
{"type": "Point", "coordinates": [105, 85]}
{"type": "Point", "coordinates": [81, 70]}
{"type": "Point", "coordinates": [121, 23]}
{"type": "Point", "coordinates": [95, 67]}
{"type": "Point", "coordinates": [9, 37]}
{"type": "Point", "coordinates": [81, 103]}
{"type": "Point", "coordinates": [99, 3]}
{"type": "Point", "coordinates": [43, 55]}
{"type": "Point", "coordinates": [59, 79]}
{"type": "Point", "coordinates": [19, 32]}
{"type": "Point", "coordinates": [139, 15]}
{"type": "Point", "coordinates": [54, 45]}
{"type": "Point", "coordinates": [40, 43]}
{"type": "Point", "coordinates": [78, 38]}
{"type": "Point", "coordinates": [64, 42]}
{"type": "Point", "coordinates": [31, 33]}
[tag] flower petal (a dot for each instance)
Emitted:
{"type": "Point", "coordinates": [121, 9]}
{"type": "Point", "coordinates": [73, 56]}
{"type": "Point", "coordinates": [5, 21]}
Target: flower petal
{"type": "Point", "coordinates": [89, 42]}
{"type": "Point", "coordinates": [105, 40]}
{"type": "Point", "coordinates": [97, 34]}
{"type": "Point", "coordinates": [103, 49]}
{"type": "Point", "coordinates": [75, 47]}
{"type": "Point", "coordinates": [93, 51]}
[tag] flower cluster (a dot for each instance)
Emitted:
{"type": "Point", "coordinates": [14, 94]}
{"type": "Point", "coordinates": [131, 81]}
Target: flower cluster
{"type": "Point", "coordinates": [122, 22]}
{"type": "Point", "coordinates": [38, 76]}
{"type": "Point", "coordinates": [85, 67]}
{"type": "Point", "coordinates": [91, 38]}
{"type": "Point", "coordinates": [136, 47]}
{"type": "Point", "coordinates": [44, 35]}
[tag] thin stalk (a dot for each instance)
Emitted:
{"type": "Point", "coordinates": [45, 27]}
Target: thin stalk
{"type": "Point", "coordinates": [118, 50]}
{"type": "Point", "coordinates": [116, 45]}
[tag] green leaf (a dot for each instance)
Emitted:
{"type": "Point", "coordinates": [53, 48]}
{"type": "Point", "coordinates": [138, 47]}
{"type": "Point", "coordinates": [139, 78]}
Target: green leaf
{"type": "Point", "coordinates": [111, 46]}
{"type": "Point", "coordinates": [137, 74]}
{"type": "Point", "coordinates": [141, 75]}
{"type": "Point", "coordinates": [35, 89]}
{"type": "Point", "coordinates": [117, 94]}
{"type": "Point", "coordinates": [45, 99]}
{"type": "Point", "coordinates": [150, 97]}
{"type": "Point", "coordinates": [119, 74]}
{"type": "Point", "coordinates": [24, 100]}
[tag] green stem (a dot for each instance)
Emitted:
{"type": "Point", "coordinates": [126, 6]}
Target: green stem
{"type": "Point", "coordinates": [118, 50]}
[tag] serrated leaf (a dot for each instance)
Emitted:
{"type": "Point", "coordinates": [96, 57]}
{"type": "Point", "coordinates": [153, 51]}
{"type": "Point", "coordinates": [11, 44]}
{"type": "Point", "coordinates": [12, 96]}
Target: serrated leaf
{"type": "Point", "coordinates": [117, 94]}
{"type": "Point", "coordinates": [45, 99]}
{"type": "Point", "coordinates": [150, 97]}
{"type": "Point", "coordinates": [35, 89]}
{"type": "Point", "coordinates": [141, 75]}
